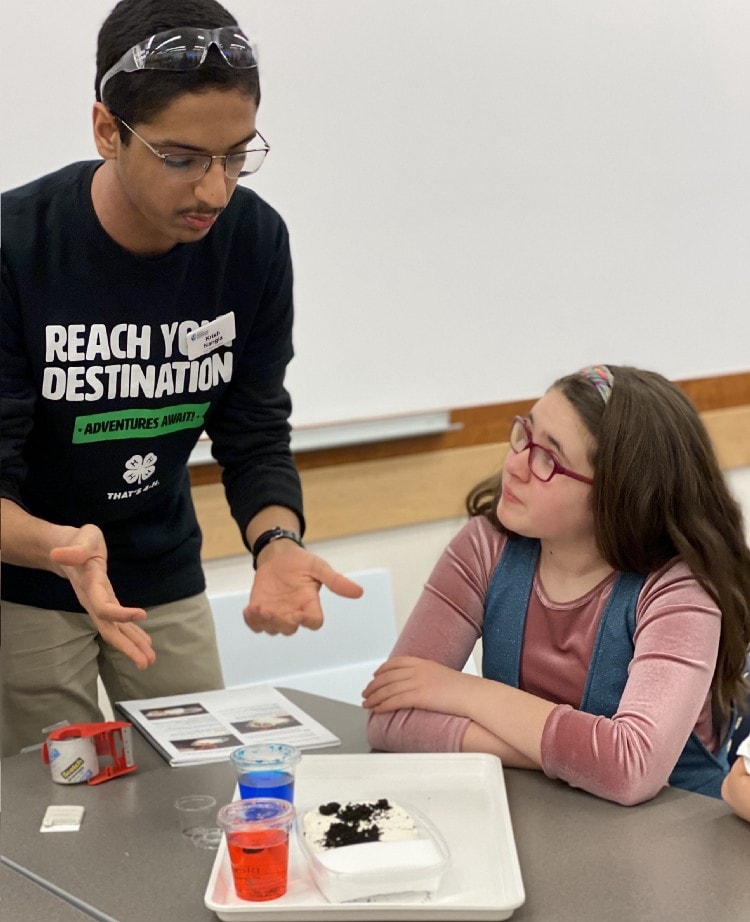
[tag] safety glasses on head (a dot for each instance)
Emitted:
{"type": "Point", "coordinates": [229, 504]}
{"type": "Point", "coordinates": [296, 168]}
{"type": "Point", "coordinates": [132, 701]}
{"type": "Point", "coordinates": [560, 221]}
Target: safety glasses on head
{"type": "Point", "coordinates": [184, 49]}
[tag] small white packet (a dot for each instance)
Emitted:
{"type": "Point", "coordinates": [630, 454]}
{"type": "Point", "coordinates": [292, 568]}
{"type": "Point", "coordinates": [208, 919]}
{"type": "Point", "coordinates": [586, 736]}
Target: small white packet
{"type": "Point", "coordinates": [64, 818]}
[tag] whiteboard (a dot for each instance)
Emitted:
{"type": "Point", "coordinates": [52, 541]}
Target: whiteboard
{"type": "Point", "coordinates": [481, 194]}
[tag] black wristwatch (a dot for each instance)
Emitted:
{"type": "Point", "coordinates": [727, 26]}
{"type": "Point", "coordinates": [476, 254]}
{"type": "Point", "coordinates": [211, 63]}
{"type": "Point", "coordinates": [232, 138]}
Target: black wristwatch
{"type": "Point", "coordinates": [273, 534]}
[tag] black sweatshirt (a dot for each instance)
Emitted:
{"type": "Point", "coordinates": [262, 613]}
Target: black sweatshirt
{"type": "Point", "coordinates": [101, 402]}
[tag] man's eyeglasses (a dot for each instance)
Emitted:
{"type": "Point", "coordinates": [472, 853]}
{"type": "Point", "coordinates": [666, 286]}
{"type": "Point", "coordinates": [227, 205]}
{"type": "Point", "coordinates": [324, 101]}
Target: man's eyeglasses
{"type": "Point", "coordinates": [542, 463]}
{"type": "Point", "coordinates": [184, 49]}
{"type": "Point", "coordinates": [192, 167]}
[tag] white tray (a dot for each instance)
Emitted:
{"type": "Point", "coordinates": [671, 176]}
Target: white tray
{"type": "Point", "coordinates": [464, 796]}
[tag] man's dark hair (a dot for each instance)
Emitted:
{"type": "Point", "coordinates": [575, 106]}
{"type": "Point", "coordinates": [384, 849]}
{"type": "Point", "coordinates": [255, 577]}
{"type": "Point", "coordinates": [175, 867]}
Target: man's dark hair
{"type": "Point", "coordinates": [140, 96]}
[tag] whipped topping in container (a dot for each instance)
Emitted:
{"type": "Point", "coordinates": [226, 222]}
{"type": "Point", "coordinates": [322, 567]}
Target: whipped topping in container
{"type": "Point", "coordinates": [334, 825]}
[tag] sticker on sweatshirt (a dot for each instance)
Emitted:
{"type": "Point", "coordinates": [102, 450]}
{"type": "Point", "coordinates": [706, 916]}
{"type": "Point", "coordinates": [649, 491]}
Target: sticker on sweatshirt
{"type": "Point", "coordinates": [205, 339]}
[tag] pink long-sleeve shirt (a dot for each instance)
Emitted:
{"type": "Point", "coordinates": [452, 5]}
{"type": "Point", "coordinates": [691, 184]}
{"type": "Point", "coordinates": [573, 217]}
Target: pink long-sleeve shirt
{"type": "Point", "coordinates": [626, 758]}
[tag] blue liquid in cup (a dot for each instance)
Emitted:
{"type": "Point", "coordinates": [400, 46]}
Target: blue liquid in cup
{"type": "Point", "coordinates": [267, 784]}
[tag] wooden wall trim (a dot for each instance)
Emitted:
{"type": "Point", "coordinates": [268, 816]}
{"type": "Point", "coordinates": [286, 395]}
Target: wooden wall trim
{"type": "Point", "coordinates": [730, 433]}
{"type": "Point", "coordinates": [365, 496]}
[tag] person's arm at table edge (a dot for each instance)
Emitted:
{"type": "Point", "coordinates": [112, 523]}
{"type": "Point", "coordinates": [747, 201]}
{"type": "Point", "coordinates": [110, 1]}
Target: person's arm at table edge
{"type": "Point", "coordinates": [735, 789]}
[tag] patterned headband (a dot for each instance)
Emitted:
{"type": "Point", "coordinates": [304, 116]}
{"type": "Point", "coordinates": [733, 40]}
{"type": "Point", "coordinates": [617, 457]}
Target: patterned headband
{"type": "Point", "coordinates": [601, 377]}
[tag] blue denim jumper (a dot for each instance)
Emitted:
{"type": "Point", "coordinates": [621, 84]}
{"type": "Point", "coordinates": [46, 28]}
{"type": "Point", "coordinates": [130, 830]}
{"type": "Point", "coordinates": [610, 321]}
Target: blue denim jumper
{"type": "Point", "coordinates": [505, 610]}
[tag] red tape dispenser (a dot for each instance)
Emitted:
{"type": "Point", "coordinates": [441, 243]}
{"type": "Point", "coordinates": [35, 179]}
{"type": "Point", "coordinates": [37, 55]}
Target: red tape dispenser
{"type": "Point", "coordinates": [73, 752]}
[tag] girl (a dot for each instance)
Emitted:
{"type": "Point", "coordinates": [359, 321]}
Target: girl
{"type": "Point", "coordinates": [607, 573]}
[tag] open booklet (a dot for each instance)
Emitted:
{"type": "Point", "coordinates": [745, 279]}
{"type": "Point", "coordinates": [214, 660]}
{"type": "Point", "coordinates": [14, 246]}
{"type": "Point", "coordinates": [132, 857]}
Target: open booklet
{"type": "Point", "coordinates": [207, 726]}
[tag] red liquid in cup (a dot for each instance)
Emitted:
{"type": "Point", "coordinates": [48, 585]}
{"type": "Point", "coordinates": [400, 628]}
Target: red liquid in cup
{"type": "Point", "coordinates": [259, 863]}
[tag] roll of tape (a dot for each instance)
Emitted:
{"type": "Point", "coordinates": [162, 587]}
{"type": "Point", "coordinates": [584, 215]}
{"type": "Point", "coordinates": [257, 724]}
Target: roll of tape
{"type": "Point", "coordinates": [72, 761]}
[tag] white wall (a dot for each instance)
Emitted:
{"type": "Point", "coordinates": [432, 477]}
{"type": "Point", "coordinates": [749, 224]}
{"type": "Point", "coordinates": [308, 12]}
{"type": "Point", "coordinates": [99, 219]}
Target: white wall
{"type": "Point", "coordinates": [409, 553]}
{"type": "Point", "coordinates": [463, 177]}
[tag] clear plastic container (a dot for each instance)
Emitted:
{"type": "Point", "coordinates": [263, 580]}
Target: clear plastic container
{"type": "Point", "coordinates": [368, 869]}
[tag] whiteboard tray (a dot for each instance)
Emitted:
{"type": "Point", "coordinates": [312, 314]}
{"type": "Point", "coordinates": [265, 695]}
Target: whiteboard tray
{"type": "Point", "coordinates": [464, 796]}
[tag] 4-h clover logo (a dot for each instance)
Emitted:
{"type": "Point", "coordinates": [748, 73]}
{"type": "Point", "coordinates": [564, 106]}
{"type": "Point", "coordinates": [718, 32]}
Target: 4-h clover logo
{"type": "Point", "coordinates": [139, 468]}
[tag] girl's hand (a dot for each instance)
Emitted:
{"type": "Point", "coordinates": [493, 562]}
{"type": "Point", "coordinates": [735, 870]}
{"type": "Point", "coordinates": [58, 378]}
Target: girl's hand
{"type": "Point", "coordinates": [411, 682]}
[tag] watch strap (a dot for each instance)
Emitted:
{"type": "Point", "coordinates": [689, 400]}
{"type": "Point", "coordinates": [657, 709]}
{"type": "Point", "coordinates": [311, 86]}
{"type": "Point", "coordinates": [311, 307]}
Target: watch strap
{"type": "Point", "coordinates": [273, 534]}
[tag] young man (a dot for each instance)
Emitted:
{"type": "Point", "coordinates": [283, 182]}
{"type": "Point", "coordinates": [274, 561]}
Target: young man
{"type": "Point", "coordinates": [145, 298]}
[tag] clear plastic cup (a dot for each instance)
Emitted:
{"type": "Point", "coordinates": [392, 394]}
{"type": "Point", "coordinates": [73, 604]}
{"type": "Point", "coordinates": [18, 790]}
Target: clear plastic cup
{"type": "Point", "coordinates": [257, 833]}
{"type": "Point", "coordinates": [266, 770]}
{"type": "Point", "coordinates": [197, 814]}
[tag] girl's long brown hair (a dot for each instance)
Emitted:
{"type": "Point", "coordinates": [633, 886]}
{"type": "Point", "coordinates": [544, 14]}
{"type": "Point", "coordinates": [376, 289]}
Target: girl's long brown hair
{"type": "Point", "coordinates": [659, 493]}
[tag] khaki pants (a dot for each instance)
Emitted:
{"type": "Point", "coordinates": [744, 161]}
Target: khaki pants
{"type": "Point", "coordinates": [50, 660]}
